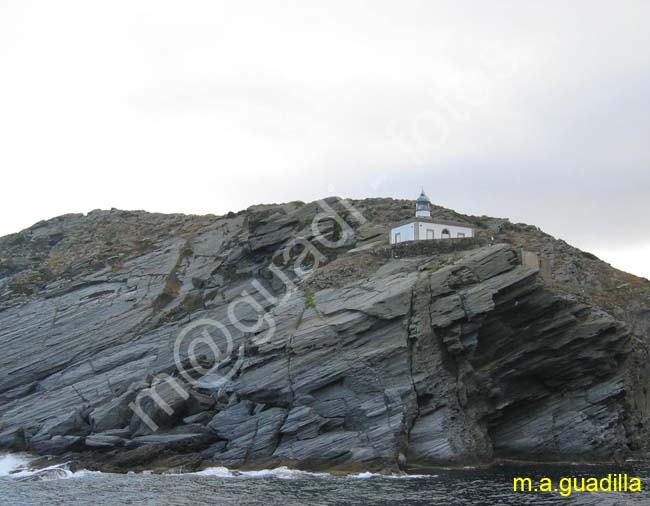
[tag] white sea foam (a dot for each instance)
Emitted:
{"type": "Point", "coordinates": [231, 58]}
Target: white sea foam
{"type": "Point", "coordinates": [366, 475]}
{"type": "Point", "coordinates": [219, 472]}
{"type": "Point", "coordinates": [84, 473]}
{"type": "Point", "coordinates": [18, 466]}
{"type": "Point", "coordinates": [291, 474]}
{"type": "Point", "coordinates": [279, 472]}
{"type": "Point", "coordinates": [11, 462]}
{"type": "Point", "coordinates": [44, 474]}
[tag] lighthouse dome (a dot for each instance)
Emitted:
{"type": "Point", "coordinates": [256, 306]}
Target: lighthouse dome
{"type": "Point", "coordinates": [423, 206]}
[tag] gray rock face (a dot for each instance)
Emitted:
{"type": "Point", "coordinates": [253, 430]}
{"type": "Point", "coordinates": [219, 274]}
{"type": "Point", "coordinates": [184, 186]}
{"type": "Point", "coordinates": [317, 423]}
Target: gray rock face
{"type": "Point", "coordinates": [56, 445]}
{"type": "Point", "coordinates": [104, 441]}
{"type": "Point", "coordinates": [116, 413]}
{"type": "Point", "coordinates": [458, 358]}
{"type": "Point", "coordinates": [182, 442]}
{"type": "Point", "coordinates": [164, 404]}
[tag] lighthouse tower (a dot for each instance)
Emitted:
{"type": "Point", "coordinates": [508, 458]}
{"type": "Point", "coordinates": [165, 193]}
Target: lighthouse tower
{"type": "Point", "coordinates": [423, 206]}
{"type": "Point", "coordinates": [425, 228]}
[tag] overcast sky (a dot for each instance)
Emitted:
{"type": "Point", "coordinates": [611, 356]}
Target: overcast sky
{"type": "Point", "coordinates": [536, 111]}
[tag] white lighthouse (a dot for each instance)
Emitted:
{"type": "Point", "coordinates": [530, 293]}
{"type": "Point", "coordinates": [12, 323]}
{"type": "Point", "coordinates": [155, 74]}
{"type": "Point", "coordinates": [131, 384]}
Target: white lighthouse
{"type": "Point", "coordinates": [424, 227]}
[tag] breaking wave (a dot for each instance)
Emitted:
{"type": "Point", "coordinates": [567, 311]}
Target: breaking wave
{"type": "Point", "coordinates": [17, 466]}
{"type": "Point", "coordinates": [285, 473]}
{"type": "Point", "coordinates": [366, 475]}
{"type": "Point", "coordinates": [12, 462]}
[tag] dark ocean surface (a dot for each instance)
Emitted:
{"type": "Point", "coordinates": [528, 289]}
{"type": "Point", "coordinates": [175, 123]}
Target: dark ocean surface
{"type": "Point", "coordinates": [281, 486]}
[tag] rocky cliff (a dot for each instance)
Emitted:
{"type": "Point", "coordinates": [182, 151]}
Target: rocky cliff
{"type": "Point", "coordinates": [294, 335]}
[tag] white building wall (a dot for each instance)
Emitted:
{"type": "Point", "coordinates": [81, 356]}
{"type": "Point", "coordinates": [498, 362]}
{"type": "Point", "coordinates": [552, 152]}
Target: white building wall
{"type": "Point", "coordinates": [437, 229]}
{"type": "Point", "coordinates": [426, 230]}
{"type": "Point", "coordinates": [403, 233]}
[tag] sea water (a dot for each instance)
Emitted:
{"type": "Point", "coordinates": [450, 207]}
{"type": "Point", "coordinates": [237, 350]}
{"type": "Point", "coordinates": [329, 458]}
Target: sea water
{"type": "Point", "coordinates": [282, 486]}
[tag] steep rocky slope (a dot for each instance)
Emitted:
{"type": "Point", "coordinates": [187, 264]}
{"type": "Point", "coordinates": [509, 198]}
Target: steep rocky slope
{"type": "Point", "coordinates": [334, 350]}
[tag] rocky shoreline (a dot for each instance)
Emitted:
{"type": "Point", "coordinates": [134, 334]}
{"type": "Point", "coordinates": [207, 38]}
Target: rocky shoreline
{"type": "Point", "coordinates": [461, 356]}
{"type": "Point", "coordinates": [166, 462]}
